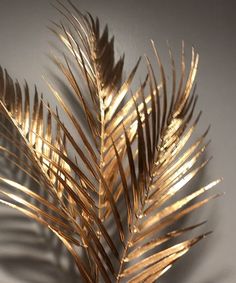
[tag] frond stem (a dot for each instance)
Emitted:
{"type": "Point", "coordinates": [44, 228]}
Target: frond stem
{"type": "Point", "coordinates": [132, 231]}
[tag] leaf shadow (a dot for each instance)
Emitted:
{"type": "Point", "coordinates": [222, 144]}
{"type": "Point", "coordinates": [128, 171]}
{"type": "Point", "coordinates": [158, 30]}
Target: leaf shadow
{"type": "Point", "coordinates": [29, 252]}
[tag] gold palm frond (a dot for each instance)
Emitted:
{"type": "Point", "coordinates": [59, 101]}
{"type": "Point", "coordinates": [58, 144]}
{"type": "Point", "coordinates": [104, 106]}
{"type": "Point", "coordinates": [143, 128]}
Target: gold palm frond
{"type": "Point", "coordinates": [112, 181]}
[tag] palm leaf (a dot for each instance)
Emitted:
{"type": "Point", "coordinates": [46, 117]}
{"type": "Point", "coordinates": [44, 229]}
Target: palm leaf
{"type": "Point", "coordinates": [124, 166]}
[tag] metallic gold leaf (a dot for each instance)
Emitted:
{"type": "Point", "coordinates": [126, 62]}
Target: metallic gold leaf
{"type": "Point", "coordinates": [111, 176]}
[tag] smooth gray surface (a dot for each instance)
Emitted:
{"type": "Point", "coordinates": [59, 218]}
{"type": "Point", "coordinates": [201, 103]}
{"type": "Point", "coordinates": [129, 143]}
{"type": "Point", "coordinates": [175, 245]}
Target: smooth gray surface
{"type": "Point", "coordinates": [210, 26]}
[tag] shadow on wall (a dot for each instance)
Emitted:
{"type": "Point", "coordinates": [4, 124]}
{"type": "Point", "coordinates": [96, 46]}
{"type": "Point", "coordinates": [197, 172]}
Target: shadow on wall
{"type": "Point", "coordinates": [29, 253]}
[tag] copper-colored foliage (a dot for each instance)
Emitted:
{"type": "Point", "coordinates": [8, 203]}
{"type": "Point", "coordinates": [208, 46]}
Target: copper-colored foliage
{"type": "Point", "coordinates": [123, 166]}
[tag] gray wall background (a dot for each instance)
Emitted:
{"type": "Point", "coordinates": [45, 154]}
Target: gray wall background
{"type": "Point", "coordinates": [210, 26]}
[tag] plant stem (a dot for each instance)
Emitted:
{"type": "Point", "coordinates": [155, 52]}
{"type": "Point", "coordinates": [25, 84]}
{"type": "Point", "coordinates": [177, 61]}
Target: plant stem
{"type": "Point", "coordinates": [132, 232]}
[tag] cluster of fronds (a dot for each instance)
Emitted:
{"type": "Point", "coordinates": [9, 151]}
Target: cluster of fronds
{"type": "Point", "coordinates": [109, 181]}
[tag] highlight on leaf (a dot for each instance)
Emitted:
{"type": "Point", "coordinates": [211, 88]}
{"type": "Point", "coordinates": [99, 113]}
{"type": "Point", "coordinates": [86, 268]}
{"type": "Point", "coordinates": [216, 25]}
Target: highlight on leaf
{"type": "Point", "coordinates": [115, 184]}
